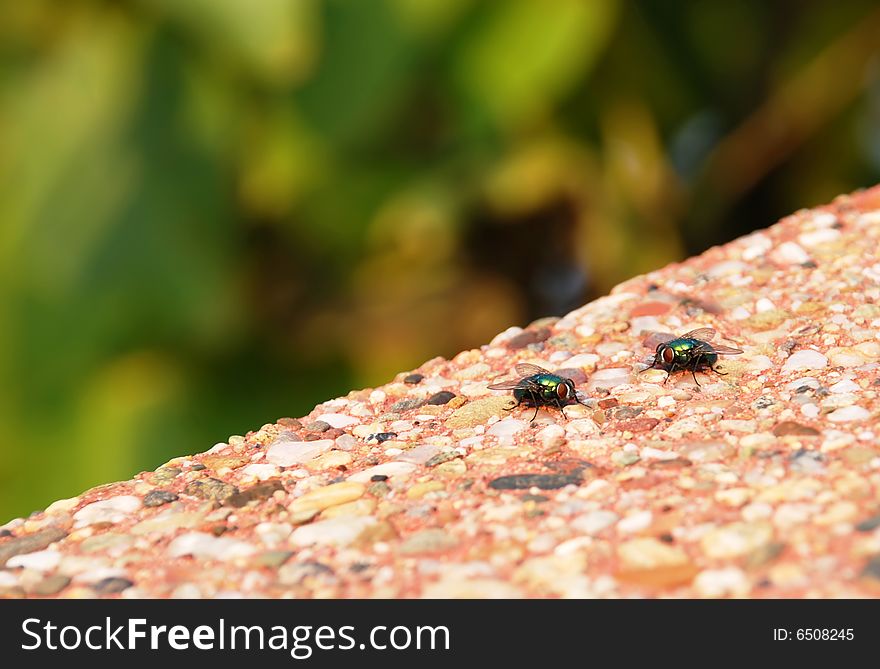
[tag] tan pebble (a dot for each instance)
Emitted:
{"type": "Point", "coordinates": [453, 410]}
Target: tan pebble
{"type": "Point", "coordinates": [329, 460]}
{"type": "Point", "coordinates": [218, 462]}
{"type": "Point", "coordinates": [364, 431]}
{"type": "Point", "coordinates": [386, 509]}
{"type": "Point", "coordinates": [62, 506]}
{"type": "Point", "coordinates": [846, 356]}
{"type": "Point", "coordinates": [736, 539]}
{"type": "Point", "coordinates": [451, 468]}
{"type": "Point", "coordinates": [647, 553]}
{"type": "Point", "coordinates": [456, 402]}
{"type": "Point", "coordinates": [322, 498]}
{"type": "Point", "coordinates": [360, 507]}
{"type": "Point", "coordinates": [378, 532]}
{"type": "Point", "coordinates": [478, 412]}
{"type": "Point", "coordinates": [787, 575]}
{"type": "Point", "coordinates": [841, 512]}
{"type": "Point", "coordinates": [734, 497]}
{"type": "Point", "coordinates": [421, 489]}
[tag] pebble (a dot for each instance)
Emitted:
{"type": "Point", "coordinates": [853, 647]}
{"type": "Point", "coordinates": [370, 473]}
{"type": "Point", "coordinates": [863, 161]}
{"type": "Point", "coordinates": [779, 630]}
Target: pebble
{"type": "Point", "coordinates": [791, 428]}
{"type": "Point", "coordinates": [845, 386]}
{"type": "Point", "coordinates": [789, 253]}
{"type": "Point", "coordinates": [542, 481]}
{"type": "Point", "coordinates": [722, 582]}
{"type": "Point", "coordinates": [581, 360]}
{"type": "Point", "coordinates": [624, 458]}
{"type": "Point", "coordinates": [345, 442]}
{"type": "Point", "coordinates": [635, 522]}
{"type": "Point", "coordinates": [847, 357]}
{"type": "Point", "coordinates": [440, 398]}
{"type": "Point", "coordinates": [360, 507]}
{"type": "Point", "coordinates": [167, 522]}
{"type": "Point", "coordinates": [638, 425]}
{"type": "Point", "coordinates": [506, 428]}
{"type": "Point", "coordinates": [50, 585]}
{"type": "Point", "coordinates": [45, 560]}
{"type": "Point", "coordinates": [413, 379]}
{"type": "Point", "coordinates": [106, 542]}
{"type": "Point", "coordinates": [315, 501]}
{"type": "Point", "coordinates": [203, 545]}
{"type": "Point", "coordinates": [330, 460]}
{"type": "Point", "coordinates": [111, 510]}
{"type": "Point", "coordinates": [317, 426]}
{"type": "Point", "coordinates": [290, 453]}
{"type": "Point", "coordinates": [111, 585]}
{"type": "Point", "coordinates": [158, 498]}
{"type": "Point", "coordinates": [804, 359]}
{"type": "Point", "coordinates": [609, 378]}
{"type": "Point", "coordinates": [432, 540]}
{"type": "Point", "coordinates": [260, 471]}
{"type": "Point", "coordinates": [477, 412]}
{"type": "Point", "coordinates": [338, 420]}
{"type": "Point", "coordinates": [649, 553]}
{"type": "Point", "coordinates": [210, 489]}
{"type": "Point", "coordinates": [333, 532]}
{"type": "Point", "coordinates": [388, 469]}
{"type": "Point", "coordinates": [420, 455]}
{"type": "Point", "coordinates": [257, 492]}
{"type": "Point", "coordinates": [272, 559]}
{"type": "Point", "coordinates": [29, 543]}
{"type": "Point", "coordinates": [736, 539]}
{"type": "Point", "coordinates": [849, 414]}
{"type": "Point", "coordinates": [594, 521]}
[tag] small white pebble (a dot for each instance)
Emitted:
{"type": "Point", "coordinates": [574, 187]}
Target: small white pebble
{"type": "Point", "coordinates": [845, 386]}
{"type": "Point", "coordinates": [805, 359]}
{"type": "Point", "coordinates": [790, 253]}
{"type": "Point", "coordinates": [847, 414]}
{"type": "Point", "coordinates": [635, 522]}
{"type": "Point", "coordinates": [763, 305]}
{"type": "Point", "coordinates": [721, 582]}
{"type": "Point", "coordinates": [810, 410]}
{"type": "Point", "coordinates": [38, 560]}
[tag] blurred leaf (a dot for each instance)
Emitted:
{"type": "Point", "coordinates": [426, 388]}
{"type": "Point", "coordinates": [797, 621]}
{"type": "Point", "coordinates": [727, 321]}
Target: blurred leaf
{"type": "Point", "coordinates": [275, 39]}
{"type": "Point", "coordinates": [361, 74]}
{"type": "Point", "coordinates": [522, 59]}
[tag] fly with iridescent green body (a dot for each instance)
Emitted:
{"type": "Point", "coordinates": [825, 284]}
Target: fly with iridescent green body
{"type": "Point", "coordinates": [691, 351]}
{"type": "Point", "coordinates": [538, 387]}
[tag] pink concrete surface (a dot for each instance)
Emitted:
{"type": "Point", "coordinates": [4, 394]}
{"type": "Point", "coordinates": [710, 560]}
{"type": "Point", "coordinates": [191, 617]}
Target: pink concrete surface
{"type": "Point", "coordinates": [762, 482]}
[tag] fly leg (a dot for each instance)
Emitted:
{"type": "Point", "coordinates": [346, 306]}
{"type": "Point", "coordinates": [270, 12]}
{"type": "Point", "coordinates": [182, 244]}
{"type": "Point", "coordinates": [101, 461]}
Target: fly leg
{"type": "Point", "coordinates": [535, 402]}
{"type": "Point", "coordinates": [561, 408]}
{"type": "Point", "coordinates": [694, 369]}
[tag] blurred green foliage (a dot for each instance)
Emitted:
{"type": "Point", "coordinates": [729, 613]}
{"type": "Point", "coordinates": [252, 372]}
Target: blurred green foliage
{"type": "Point", "coordinates": [214, 213]}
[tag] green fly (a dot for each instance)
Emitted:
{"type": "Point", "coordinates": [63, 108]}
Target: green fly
{"type": "Point", "coordinates": [537, 387]}
{"type": "Point", "coordinates": [691, 351]}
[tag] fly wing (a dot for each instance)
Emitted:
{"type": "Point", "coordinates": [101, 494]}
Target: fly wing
{"type": "Point", "coordinates": [706, 334]}
{"type": "Point", "coordinates": [507, 385]}
{"type": "Point", "coordinates": [725, 350]}
{"type": "Point", "coordinates": [527, 369]}
{"type": "Point", "coordinates": [654, 339]}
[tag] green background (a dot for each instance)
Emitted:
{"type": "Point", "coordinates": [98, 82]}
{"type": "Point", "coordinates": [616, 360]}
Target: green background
{"type": "Point", "coordinates": [215, 213]}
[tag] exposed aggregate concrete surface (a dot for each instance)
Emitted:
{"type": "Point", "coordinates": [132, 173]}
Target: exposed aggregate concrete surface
{"type": "Point", "coordinates": [763, 482]}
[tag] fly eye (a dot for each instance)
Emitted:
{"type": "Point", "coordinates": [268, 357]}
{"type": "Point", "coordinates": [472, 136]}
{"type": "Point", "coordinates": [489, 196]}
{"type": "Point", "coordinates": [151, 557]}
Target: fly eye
{"type": "Point", "coordinates": [668, 355]}
{"type": "Point", "coordinates": [562, 390]}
